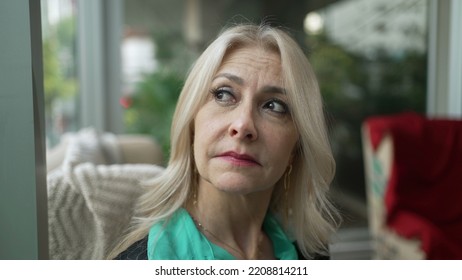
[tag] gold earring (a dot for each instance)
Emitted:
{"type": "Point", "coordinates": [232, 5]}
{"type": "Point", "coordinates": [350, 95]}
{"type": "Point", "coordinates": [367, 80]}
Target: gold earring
{"type": "Point", "coordinates": [287, 178]}
{"type": "Point", "coordinates": [286, 190]}
{"type": "Point", "coordinates": [195, 197]}
{"type": "Point", "coordinates": [194, 176]}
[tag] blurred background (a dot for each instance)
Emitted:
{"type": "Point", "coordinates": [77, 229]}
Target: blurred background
{"type": "Point", "coordinates": [118, 66]}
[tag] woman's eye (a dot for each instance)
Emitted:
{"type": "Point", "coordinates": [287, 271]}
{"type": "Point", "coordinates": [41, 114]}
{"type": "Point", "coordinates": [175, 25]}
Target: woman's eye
{"type": "Point", "coordinates": [276, 106]}
{"type": "Point", "coordinates": [223, 95]}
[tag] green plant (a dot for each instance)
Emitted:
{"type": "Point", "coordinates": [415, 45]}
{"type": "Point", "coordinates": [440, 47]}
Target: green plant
{"type": "Point", "coordinates": [59, 74]}
{"type": "Point", "coordinates": [150, 109]}
{"type": "Point", "coordinates": [355, 86]}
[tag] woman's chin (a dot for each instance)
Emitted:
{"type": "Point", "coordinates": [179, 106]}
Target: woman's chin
{"type": "Point", "coordinates": [240, 186]}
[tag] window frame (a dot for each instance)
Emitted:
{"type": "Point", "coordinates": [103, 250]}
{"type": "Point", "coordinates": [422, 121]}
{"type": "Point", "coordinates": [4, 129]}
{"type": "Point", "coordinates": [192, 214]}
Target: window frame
{"type": "Point", "coordinates": [444, 82]}
{"type": "Point", "coordinates": [100, 24]}
{"type": "Point", "coordinates": [23, 193]}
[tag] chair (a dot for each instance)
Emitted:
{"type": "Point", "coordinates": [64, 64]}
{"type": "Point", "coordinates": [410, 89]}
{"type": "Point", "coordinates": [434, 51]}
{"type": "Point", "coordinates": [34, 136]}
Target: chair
{"type": "Point", "coordinates": [413, 171]}
{"type": "Point", "coordinates": [93, 182]}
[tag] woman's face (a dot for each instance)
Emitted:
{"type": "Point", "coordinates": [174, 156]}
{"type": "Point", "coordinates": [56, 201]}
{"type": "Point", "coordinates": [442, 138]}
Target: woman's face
{"type": "Point", "coordinates": [244, 135]}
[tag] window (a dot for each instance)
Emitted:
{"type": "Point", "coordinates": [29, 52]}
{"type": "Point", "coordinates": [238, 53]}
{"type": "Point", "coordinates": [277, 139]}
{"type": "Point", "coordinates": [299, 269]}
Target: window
{"type": "Point", "coordinates": [371, 59]}
{"type": "Point", "coordinates": [59, 32]}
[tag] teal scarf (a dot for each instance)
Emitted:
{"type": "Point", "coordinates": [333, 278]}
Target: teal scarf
{"type": "Point", "coordinates": [180, 239]}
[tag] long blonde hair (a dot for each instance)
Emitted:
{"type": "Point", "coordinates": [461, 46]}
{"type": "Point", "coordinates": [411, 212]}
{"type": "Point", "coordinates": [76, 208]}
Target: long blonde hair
{"type": "Point", "coordinates": [312, 217]}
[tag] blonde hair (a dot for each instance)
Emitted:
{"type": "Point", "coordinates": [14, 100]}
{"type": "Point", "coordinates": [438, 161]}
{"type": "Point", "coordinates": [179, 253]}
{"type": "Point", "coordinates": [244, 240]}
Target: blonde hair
{"type": "Point", "coordinates": [312, 217]}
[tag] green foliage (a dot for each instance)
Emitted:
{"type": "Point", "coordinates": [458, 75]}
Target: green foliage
{"type": "Point", "coordinates": [152, 103]}
{"type": "Point", "coordinates": [355, 86]}
{"type": "Point", "coordinates": [56, 84]}
{"type": "Point", "coordinates": [59, 77]}
{"type": "Point", "coordinates": [152, 106]}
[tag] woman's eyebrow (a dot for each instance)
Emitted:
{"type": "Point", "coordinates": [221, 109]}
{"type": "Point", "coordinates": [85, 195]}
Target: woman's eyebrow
{"type": "Point", "coordinates": [238, 80]}
{"type": "Point", "coordinates": [273, 89]}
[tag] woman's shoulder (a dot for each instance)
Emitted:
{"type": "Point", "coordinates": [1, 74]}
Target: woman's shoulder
{"type": "Point", "coordinates": [136, 251]}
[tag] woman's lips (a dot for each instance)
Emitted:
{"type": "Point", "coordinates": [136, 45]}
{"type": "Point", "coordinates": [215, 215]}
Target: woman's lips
{"type": "Point", "coordinates": [239, 159]}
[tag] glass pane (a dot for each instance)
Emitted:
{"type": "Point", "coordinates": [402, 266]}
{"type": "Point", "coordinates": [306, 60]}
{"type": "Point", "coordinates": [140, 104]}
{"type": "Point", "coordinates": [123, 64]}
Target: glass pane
{"type": "Point", "coordinates": [59, 29]}
{"type": "Point", "coordinates": [371, 58]}
{"type": "Point", "coordinates": [155, 59]}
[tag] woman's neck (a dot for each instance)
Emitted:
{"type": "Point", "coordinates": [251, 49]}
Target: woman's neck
{"type": "Point", "coordinates": [232, 220]}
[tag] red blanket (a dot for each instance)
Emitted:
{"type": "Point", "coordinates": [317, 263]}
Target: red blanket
{"type": "Point", "coordinates": [423, 197]}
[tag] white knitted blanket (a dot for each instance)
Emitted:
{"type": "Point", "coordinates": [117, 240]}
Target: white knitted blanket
{"type": "Point", "coordinates": [90, 206]}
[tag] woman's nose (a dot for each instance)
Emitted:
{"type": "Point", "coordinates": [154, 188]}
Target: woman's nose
{"type": "Point", "coordinates": [243, 125]}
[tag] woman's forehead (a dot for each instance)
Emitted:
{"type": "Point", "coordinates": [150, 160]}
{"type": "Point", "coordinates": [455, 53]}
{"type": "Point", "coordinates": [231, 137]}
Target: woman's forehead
{"type": "Point", "coordinates": [250, 58]}
{"type": "Point", "coordinates": [251, 49]}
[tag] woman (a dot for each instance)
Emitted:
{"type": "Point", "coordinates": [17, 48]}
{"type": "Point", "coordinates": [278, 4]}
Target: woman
{"type": "Point", "coordinates": [250, 161]}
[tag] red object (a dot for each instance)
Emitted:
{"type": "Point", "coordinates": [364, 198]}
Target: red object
{"type": "Point", "coordinates": [423, 197]}
{"type": "Point", "coordinates": [126, 102]}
